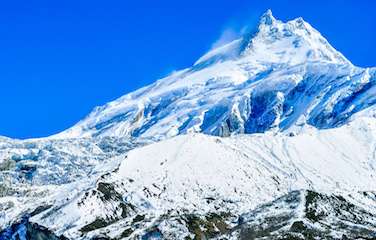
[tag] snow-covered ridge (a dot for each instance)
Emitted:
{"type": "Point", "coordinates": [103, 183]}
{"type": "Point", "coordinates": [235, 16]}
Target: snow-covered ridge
{"type": "Point", "coordinates": [37, 172]}
{"type": "Point", "coordinates": [281, 77]}
{"type": "Point", "coordinates": [199, 174]}
{"type": "Point", "coordinates": [273, 41]}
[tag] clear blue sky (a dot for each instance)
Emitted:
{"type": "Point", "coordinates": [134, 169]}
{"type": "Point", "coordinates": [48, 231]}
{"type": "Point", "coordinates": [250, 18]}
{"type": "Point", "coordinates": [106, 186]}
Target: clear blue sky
{"type": "Point", "coordinates": [59, 59]}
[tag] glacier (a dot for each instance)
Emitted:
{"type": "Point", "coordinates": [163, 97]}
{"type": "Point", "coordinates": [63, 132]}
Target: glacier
{"type": "Point", "coordinates": [271, 136]}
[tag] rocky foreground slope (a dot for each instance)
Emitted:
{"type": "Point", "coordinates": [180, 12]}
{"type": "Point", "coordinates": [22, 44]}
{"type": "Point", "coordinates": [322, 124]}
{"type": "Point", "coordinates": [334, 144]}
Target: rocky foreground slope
{"type": "Point", "coordinates": [272, 136]}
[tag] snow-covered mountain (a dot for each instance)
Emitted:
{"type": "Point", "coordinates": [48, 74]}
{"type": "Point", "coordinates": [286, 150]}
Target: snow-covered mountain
{"type": "Point", "coordinates": [281, 77]}
{"type": "Point", "coordinates": [293, 154]}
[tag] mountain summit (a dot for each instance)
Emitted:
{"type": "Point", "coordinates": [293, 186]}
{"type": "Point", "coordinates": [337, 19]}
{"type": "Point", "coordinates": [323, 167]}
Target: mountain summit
{"type": "Point", "coordinates": [267, 18]}
{"type": "Point", "coordinates": [280, 77]}
{"type": "Point", "coordinates": [273, 41]}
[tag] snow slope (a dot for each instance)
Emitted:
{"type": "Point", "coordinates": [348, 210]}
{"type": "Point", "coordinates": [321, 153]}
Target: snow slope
{"type": "Point", "coordinates": [197, 173]}
{"type": "Point", "coordinates": [39, 172]}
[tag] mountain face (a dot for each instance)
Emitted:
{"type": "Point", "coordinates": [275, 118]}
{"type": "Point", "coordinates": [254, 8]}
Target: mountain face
{"type": "Point", "coordinates": [271, 136]}
{"type": "Point", "coordinates": [280, 78]}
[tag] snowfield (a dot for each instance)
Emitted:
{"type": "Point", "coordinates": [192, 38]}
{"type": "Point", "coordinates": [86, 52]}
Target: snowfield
{"type": "Point", "coordinates": [199, 173]}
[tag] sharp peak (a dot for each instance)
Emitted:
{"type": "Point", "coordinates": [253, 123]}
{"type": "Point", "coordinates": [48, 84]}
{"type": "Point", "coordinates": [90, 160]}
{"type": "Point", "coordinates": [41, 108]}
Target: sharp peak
{"type": "Point", "coordinates": [268, 30]}
{"type": "Point", "coordinates": [267, 18]}
{"type": "Point", "coordinates": [268, 23]}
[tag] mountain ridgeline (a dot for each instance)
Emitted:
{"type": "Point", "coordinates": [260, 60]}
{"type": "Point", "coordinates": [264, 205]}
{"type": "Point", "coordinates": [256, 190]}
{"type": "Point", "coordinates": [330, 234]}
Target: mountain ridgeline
{"type": "Point", "coordinates": [281, 77]}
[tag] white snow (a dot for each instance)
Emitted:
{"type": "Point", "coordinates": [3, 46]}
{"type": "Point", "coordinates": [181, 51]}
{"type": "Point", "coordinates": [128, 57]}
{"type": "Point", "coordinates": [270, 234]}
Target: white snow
{"type": "Point", "coordinates": [277, 57]}
{"type": "Point", "coordinates": [239, 172]}
{"type": "Point", "coordinates": [313, 111]}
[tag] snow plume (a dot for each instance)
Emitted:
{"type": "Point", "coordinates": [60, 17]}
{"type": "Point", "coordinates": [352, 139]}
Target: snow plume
{"type": "Point", "coordinates": [227, 36]}
{"type": "Point", "coordinates": [236, 28]}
